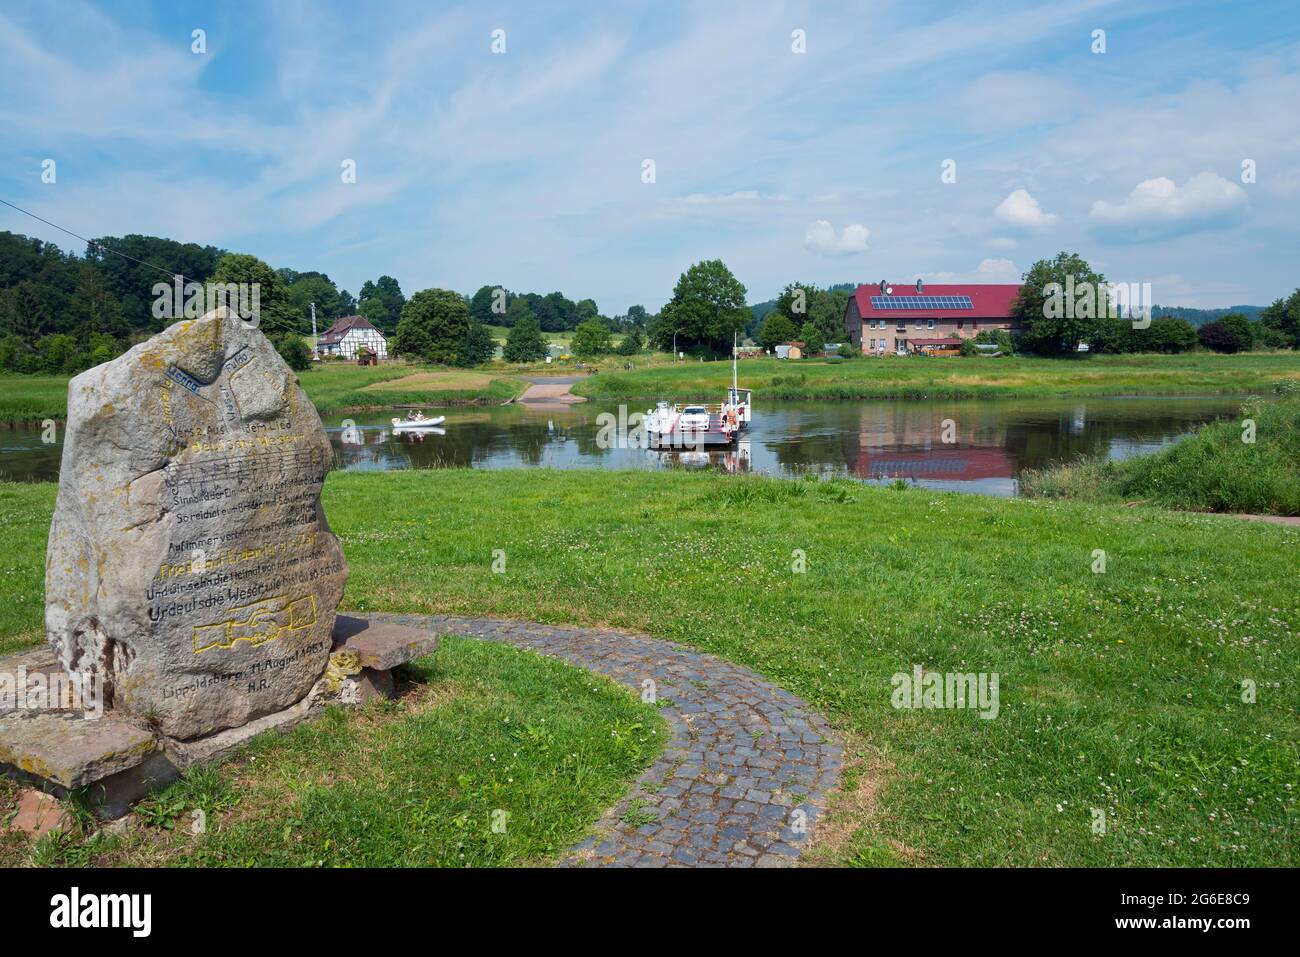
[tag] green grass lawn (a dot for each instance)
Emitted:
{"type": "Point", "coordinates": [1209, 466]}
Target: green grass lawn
{"type": "Point", "coordinates": [339, 387]}
{"type": "Point", "coordinates": [480, 729]}
{"type": "Point", "coordinates": [1214, 470]}
{"type": "Point", "coordinates": [332, 386]}
{"type": "Point", "coordinates": [892, 377]}
{"type": "Point", "coordinates": [501, 333]}
{"type": "Point", "coordinates": [1120, 692]}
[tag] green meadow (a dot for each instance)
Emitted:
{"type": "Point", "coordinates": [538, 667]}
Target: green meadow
{"type": "Point", "coordinates": [1146, 664]}
{"type": "Point", "coordinates": [339, 387]}
{"type": "Point", "coordinates": [332, 386]}
{"type": "Point", "coordinates": [901, 377]}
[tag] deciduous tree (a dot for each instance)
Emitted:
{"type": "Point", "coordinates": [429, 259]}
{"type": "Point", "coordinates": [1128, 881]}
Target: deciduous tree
{"type": "Point", "coordinates": [707, 308]}
{"type": "Point", "coordinates": [524, 342]}
{"type": "Point", "coordinates": [591, 338]}
{"type": "Point", "coordinates": [1283, 319]}
{"type": "Point", "coordinates": [442, 316]}
{"type": "Point", "coordinates": [813, 343]}
{"type": "Point", "coordinates": [776, 330]}
{"type": "Point", "coordinates": [477, 347]}
{"type": "Point", "coordinates": [1055, 321]}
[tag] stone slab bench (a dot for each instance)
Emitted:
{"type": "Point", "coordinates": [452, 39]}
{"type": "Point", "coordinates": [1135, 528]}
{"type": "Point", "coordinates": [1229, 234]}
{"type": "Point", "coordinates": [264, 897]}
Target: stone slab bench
{"type": "Point", "coordinates": [115, 759]}
{"type": "Point", "coordinates": [382, 646]}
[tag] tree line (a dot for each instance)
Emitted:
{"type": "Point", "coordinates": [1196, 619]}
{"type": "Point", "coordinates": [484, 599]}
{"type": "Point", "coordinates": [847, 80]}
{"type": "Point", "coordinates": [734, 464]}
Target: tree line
{"type": "Point", "coordinates": [1048, 329]}
{"type": "Point", "coordinates": [554, 312]}
{"type": "Point", "coordinates": [62, 313]}
{"type": "Point", "coordinates": [804, 312]}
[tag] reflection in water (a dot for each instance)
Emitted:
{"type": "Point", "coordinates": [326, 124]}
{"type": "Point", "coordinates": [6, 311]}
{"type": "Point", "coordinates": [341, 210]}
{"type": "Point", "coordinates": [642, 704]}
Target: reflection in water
{"type": "Point", "coordinates": [992, 440]}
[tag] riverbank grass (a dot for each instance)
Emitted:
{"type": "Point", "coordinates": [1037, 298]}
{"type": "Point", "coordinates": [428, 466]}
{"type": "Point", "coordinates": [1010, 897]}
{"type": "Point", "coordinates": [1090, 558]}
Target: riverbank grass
{"type": "Point", "coordinates": [31, 398]}
{"type": "Point", "coordinates": [1250, 463]}
{"type": "Point", "coordinates": [332, 386]}
{"type": "Point", "coordinates": [918, 377]}
{"type": "Point", "coordinates": [338, 391]}
{"type": "Point", "coordinates": [1124, 640]}
{"type": "Point", "coordinates": [342, 387]}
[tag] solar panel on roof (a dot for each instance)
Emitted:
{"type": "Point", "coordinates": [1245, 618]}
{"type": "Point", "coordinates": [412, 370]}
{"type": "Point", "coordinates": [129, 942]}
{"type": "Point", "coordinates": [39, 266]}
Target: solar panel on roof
{"type": "Point", "coordinates": [921, 302]}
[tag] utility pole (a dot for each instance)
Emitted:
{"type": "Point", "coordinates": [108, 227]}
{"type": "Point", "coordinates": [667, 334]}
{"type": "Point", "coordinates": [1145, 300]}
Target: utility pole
{"type": "Point", "coordinates": [315, 348]}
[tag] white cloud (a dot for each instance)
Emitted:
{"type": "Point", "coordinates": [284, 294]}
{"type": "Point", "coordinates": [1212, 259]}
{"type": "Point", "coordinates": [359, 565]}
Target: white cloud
{"type": "Point", "coordinates": [1159, 208]}
{"type": "Point", "coordinates": [436, 125]}
{"type": "Point", "coordinates": [820, 238]}
{"type": "Point", "coordinates": [1022, 211]}
{"type": "Point", "coordinates": [997, 267]}
{"type": "Point", "coordinates": [988, 271]}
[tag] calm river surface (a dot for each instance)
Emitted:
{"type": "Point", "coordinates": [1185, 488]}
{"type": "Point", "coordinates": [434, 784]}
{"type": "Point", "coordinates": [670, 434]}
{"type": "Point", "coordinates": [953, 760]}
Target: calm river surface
{"type": "Point", "coordinates": [873, 441]}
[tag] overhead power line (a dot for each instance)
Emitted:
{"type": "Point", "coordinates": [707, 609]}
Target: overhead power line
{"type": "Point", "coordinates": [109, 249]}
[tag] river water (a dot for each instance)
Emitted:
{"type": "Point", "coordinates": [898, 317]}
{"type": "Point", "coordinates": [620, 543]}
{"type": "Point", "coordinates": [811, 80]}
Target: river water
{"type": "Point", "coordinates": [993, 440]}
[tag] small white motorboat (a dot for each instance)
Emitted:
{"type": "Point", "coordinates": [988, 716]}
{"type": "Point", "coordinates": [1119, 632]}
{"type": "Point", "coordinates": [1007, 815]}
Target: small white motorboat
{"type": "Point", "coordinates": [418, 422]}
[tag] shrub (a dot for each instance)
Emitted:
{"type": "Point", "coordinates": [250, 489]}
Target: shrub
{"type": "Point", "coordinates": [524, 342]}
{"type": "Point", "coordinates": [591, 338]}
{"type": "Point", "coordinates": [631, 343]}
{"type": "Point", "coordinates": [477, 346]}
{"type": "Point", "coordinates": [1001, 338]}
{"type": "Point", "coordinates": [777, 329]}
{"type": "Point", "coordinates": [293, 350]}
{"type": "Point", "coordinates": [1241, 328]}
{"type": "Point", "coordinates": [1166, 334]}
{"type": "Point", "coordinates": [813, 343]}
{"type": "Point", "coordinates": [1218, 336]}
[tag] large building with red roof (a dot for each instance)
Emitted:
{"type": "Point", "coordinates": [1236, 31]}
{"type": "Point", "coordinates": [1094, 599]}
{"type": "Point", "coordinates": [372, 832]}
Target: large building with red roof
{"type": "Point", "coordinates": [885, 320]}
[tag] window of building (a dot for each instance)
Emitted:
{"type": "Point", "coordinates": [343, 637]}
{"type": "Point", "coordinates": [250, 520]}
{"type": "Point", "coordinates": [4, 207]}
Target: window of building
{"type": "Point", "coordinates": [929, 323]}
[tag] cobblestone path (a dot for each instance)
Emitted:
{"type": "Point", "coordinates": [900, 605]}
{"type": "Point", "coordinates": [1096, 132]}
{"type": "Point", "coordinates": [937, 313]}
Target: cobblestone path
{"type": "Point", "coordinates": [744, 776]}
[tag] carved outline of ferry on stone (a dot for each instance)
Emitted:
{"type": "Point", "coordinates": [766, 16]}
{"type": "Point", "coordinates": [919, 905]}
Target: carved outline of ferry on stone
{"type": "Point", "coordinates": [261, 614]}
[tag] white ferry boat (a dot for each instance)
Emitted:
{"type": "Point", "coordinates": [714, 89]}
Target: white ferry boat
{"type": "Point", "coordinates": [692, 425]}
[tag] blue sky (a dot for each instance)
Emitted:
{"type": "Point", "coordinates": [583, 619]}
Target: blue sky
{"type": "Point", "coordinates": [525, 168]}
